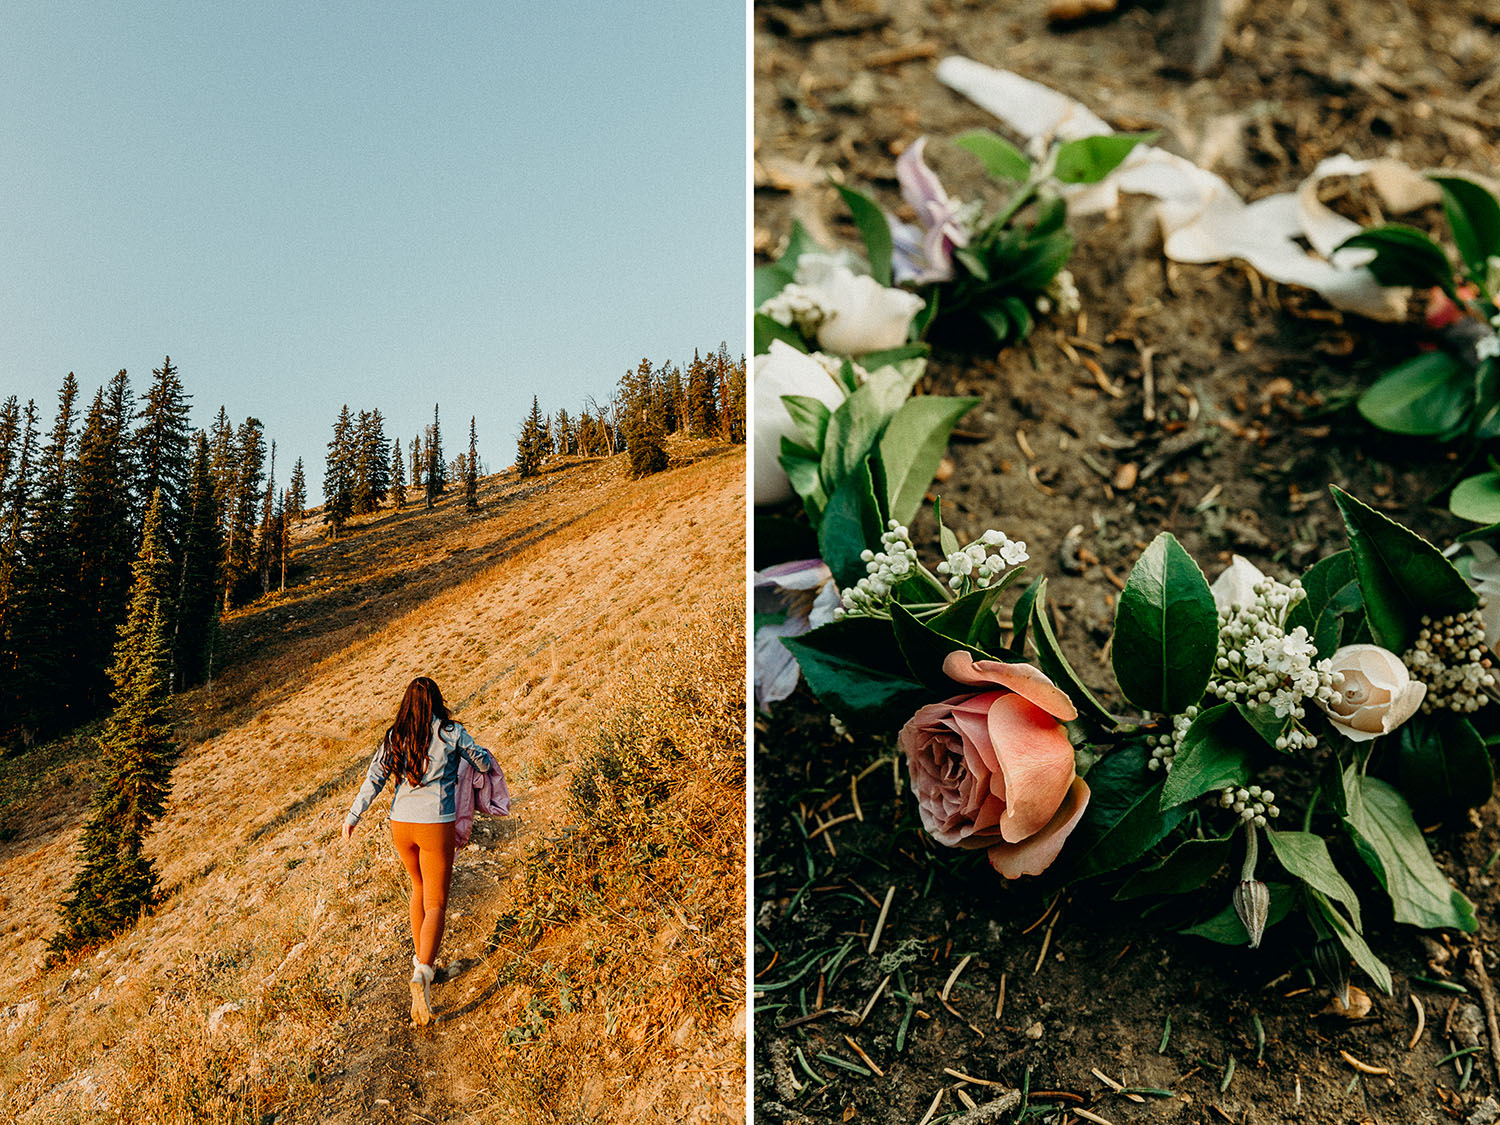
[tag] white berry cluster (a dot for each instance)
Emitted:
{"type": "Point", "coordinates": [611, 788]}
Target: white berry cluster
{"type": "Point", "coordinates": [1259, 662]}
{"type": "Point", "coordinates": [1252, 804]}
{"type": "Point", "coordinates": [1164, 746]}
{"type": "Point", "coordinates": [796, 307]}
{"type": "Point", "coordinates": [977, 565]}
{"type": "Point", "coordinates": [1451, 658]}
{"type": "Point", "coordinates": [886, 569]}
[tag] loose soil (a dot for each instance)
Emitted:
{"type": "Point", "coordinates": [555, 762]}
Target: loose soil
{"type": "Point", "coordinates": [1232, 449]}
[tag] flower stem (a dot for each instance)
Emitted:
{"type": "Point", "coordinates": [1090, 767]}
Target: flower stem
{"type": "Point", "coordinates": [1252, 850]}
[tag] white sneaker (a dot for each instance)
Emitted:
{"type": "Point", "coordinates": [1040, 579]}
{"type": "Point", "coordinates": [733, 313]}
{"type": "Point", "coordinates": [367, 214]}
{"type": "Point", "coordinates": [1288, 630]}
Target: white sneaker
{"type": "Point", "coordinates": [421, 1001]}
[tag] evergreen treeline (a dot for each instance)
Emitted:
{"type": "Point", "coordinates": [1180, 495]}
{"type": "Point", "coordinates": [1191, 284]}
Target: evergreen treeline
{"type": "Point", "coordinates": [365, 468]}
{"type": "Point", "coordinates": [706, 401]}
{"type": "Point", "coordinates": [73, 508]}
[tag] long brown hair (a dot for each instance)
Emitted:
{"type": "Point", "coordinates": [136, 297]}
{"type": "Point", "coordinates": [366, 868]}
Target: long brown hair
{"type": "Point", "coordinates": [407, 739]}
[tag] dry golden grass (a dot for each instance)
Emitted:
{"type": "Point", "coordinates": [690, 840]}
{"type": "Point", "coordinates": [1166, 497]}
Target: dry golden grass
{"type": "Point", "coordinates": [527, 615]}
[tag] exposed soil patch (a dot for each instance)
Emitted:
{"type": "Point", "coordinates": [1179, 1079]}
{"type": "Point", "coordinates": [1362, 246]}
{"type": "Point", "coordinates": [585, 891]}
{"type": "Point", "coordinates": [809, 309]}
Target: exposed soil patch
{"type": "Point", "coordinates": [1220, 412]}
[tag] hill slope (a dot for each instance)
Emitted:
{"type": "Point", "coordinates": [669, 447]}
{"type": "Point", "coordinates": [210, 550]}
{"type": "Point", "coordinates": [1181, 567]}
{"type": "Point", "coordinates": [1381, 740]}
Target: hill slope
{"type": "Point", "coordinates": [271, 980]}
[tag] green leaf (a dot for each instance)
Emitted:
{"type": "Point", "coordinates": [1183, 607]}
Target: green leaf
{"type": "Point", "coordinates": [946, 539]}
{"type": "Point", "coordinates": [805, 479]}
{"type": "Point", "coordinates": [1263, 720]}
{"type": "Point", "coordinates": [1389, 841]}
{"type": "Point", "coordinates": [1474, 217]}
{"type": "Point", "coordinates": [1477, 498]}
{"type": "Point", "coordinates": [1425, 396]}
{"type": "Point", "coordinates": [1089, 159]}
{"type": "Point", "coordinates": [1226, 928]}
{"type": "Point", "coordinates": [873, 229]}
{"type": "Point", "coordinates": [1215, 752]}
{"type": "Point", "coordinates": [1402, 576]}
{"type": "Point", "coordinates": [1001, 159]}
{"type": "Point", "coordinates": [1166, 630]}
{"type": "Point", "coordinates": [926, 648]}
{"type": "Point", "coordinates": [1349, 937]}
{"type": "Point", "coordinates": [855, 669]}
{"type": "Point", "coordinates": [850, 524]}
{"type": "Point", "coordinates": [856, 425]}
{"type": "Point", "coordinates": [767, 330]}
{"type": "Point", "coordinates": [1191, 864]}
{"type": "Point", "coordinates": [1404, 256]}
{"type": "Point", "coordinates": [810, 416]}
{"type": "Point", "coordinates": [1333, 604]}
{"type": "Point", "coordinates": [1305, 855]}
{"type": "Point", "coordinates": [894, 357]}
{"type": "Point", "coordinates": [1123, 819]}
{"type": "Point", "coordinates": [1050, 657]}
{"type": "Point", "coordinates": [972, 617]}
{"type": "Point", "coordinates": [772, 279]}
{"type": "Point", "coordinates": [1443, 765]}
{"type": "Point", "coordinates": [912, 446]}
{"type": "Point", "coordinates": [1020, 614]}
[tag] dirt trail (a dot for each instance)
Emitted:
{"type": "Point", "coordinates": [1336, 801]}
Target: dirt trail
{"type": "Point", "coordinates": [315, 934]}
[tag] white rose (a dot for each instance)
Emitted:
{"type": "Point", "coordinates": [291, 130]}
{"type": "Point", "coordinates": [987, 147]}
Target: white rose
{"type": "Point", "coordinates": [1378, 693]}
{"type": "Point", "coordinates": [1236, 586]}
{"type": "Point", "coordinates": [859, 314]}
{"type": "Point", "coordinates": [783, 371]}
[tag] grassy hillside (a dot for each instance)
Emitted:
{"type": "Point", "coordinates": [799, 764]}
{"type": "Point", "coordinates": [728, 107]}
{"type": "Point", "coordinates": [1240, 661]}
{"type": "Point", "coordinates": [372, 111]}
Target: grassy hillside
{"type": "Point", "coordinates": [590, 631]}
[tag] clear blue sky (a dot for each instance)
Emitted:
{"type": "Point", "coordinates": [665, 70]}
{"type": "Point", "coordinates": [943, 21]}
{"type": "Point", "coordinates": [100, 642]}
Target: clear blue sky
{"type": "Point", "coordinates": [385, 205]}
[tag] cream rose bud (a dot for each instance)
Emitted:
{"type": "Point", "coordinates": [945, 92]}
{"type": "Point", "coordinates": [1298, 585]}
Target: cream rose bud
{"type": "Point", "coordinates": [1236, 586]}
{"type": "Point", "coordinates": [860, 314]}
{"type": "Point", "coordinates": [1377, 695]}
{"type": "Point", "coordinates": [783, 371]}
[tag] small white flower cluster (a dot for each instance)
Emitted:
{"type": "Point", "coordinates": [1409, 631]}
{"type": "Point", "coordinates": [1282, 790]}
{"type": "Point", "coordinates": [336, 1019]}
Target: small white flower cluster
{"type": "Point", "coordinates": [885, 569]}
{"type": "Point", "coordinates": [1164, 746]}
{"type": "Point", "coordinates": [1252, 804]}
{"type": "Point", "coordinates": [796, 307]}
{"type": "Point", "coordinates": [977, 565]}
{"type": "Point", "coordinates": [1259, 662]}
{"type": "Point", "coordinates": [1488, 347]}
{"type": "Point", "coordinates": [1062, 292]}
{"type": "Point", "coordinates": [1451, 658]}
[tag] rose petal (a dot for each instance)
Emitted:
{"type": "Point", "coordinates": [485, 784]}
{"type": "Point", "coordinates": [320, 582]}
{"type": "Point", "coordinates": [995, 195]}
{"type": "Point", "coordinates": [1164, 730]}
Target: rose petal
{"type": "Point", "coordinates": [1023, 679]}
{"type": "Point", "coordinates": [1036, 760]}
{"type": "Point", "coordinates": [1236, 585]}
{"type": "Point", "coordinates": [1035, 854]}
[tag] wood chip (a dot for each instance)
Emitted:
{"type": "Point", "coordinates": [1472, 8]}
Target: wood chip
{"type": "Point", "coordinates": [902, 54]}
{"type": "Point", "coordinates": [1125, 477]}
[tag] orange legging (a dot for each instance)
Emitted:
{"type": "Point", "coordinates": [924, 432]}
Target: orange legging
{"type": "Point", "coordinates": [426, 850]}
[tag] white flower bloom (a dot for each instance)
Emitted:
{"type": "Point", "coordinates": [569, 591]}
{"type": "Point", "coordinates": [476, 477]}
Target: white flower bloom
{"type": "Point", "coordinates": [1236, 586]}
{"type": "Point", "coordinates": [1014, 553]}
{"type": "Point", "coordinates": [859, 314]}
{"type": "Point", "coordinates": [1488, 348]}
{"type": "Point", "coordinates": [1378, 693]}
{"type": "Point", "coordinates": [783, 371]}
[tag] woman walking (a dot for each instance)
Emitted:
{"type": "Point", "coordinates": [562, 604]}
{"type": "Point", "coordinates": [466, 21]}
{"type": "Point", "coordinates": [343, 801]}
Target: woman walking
{"type": "Point", "coordinates": [421, 750]}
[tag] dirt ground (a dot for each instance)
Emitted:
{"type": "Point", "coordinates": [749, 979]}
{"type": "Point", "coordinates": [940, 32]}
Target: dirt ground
{"type": "Point", "coordinates": [1246, 425]}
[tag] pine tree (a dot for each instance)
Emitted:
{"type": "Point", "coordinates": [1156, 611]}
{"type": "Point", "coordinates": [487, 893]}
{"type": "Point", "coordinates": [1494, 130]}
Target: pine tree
{"type": "Point", "coordinates": [162, 448]}
{"type": "Point", "coordinates": [103, 533]}
{"type": "Point", "coordinates": [417, 462]}
{"type": "Point", "coordinates": [364, 476]}
{"type": "Point", "coordinates": [297, 492]}
{"type": "Point", "coordinates": [265, 544]}
{"type": "Point", "coordinates": [380, 472]}
{"type": "Point", "coordinates": [737, 432]}
{"type": "Point", "coordinates": [243, 502]}
{"type": "Point", "coordinates": [529, 452]}
{"type": "Point", "coordinates": [200, 575]}
{"type": "Point", "coordinates": [116, 882]}
{"type": "Point", "coordinates": [46, 620]}
{"type": "Point", "coordinates": [645, 430]}
{"type": "Point", "coordinates": [284, 539]}
{"type": "Point", "coordinates": [338, 475]}
{"type": "Point", "coordinates": [471, 470]}
{"type": "Point", "coordinates": [222, 462]}
{"type": "Point", "coordinates": [437, 468]}
{"type": "Point", "coordinates": [398, 476]}
{"type": "Point", "coordinates": [17, 511]}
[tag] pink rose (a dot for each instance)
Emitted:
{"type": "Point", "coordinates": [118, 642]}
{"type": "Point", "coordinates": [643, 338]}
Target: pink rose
{"type": "Point", "coordinates": [995, 770]}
